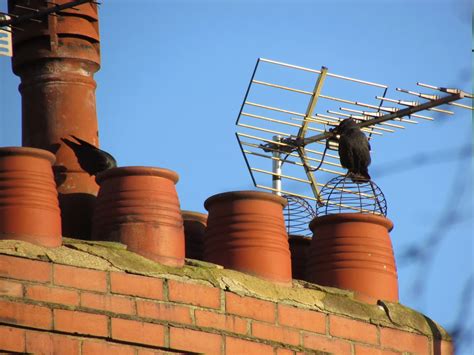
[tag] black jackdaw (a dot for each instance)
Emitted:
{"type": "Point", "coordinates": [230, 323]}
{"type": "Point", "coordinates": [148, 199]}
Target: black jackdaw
{"type": "Point", "coordinates": [354, 150]}
{"type": "Point", "coordinates": [91, 159]}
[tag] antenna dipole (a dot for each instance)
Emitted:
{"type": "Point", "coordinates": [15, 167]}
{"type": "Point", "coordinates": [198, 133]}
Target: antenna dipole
{"type": "Point", "coordinates": [397, 114]}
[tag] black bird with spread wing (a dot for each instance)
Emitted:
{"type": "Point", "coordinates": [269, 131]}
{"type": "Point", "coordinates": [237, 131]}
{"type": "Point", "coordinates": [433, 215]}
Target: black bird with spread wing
{"type": "Point", "coordinates": [91, 159]}
{"type": "Point", "coordinates": [354, 150]}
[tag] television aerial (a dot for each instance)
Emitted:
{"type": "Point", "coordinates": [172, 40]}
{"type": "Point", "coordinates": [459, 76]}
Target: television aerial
{"type": "Point", "coordinates": [286, 121]}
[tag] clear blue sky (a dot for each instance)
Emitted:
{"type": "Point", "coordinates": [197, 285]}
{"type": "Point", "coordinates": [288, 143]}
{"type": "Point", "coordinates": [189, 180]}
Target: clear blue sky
{"type": "Point", "coordinates": [174, 74]}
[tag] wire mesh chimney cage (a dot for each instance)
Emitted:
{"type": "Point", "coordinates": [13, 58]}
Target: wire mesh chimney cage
{"type": "Point", "coordinates": [342, 195]}
{"type": "Point", "coordinates": [298, 214]}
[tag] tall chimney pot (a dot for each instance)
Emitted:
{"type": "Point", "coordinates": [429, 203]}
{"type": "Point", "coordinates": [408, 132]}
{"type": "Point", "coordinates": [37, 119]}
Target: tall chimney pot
{"type": "Point", "coordinates": [56, 61]}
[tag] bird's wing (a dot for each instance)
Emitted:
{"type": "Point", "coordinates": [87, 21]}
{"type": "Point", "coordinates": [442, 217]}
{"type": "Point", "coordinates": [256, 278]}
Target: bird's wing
{"type": "Point", "coordinates": [345, 152]}
{"type": "Point", "coordinates": [361, 151]}
{"type": "Point", "coordinates": [107, 160]}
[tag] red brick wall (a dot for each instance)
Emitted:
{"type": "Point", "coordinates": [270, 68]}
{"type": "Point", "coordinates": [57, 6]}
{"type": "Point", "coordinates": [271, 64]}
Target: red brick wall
{"type": "Point", "coordinates": [52, 308]}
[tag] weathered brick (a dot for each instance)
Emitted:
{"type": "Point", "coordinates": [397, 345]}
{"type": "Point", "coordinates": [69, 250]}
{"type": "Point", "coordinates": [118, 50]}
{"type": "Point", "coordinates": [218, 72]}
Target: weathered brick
{"type": "Point", "coordinates": [138, 332]}
{"type": "Point", "coordinates": [404, 341]}
{"type": "Point", "coordinates": [302, 319]}
{"type": "Point", "coordinates": [365, 350]}
{"type": "Point", "coordinates": [196, 341]}
{"type": "Point", "coordinates": [114, 304]}
{"type": "Point", "coordinates": [220, 321]}
{"type": "Point", "coordinates": [352, 329]}
{"type": "Point", "coordinates": [25, 314]}
{"type": "Point", "coordinates": [282, 351]}
{"type": "Point", "coordinates": [250, 307]}
{"type": "Point", "coordinates": [199, 295]}
{"type": "Point", "coordinates": [164, 311]}
{"type": "Point", "coordinates": [24, 269]}
{"type": "Point", "coordinates": [52, 294]}
{"type": "Point", "coordinates": [85, 279]}
{"type": "Point", "coordinates": [10, 288]}
{"type": "Point", "coordinates": [135, 285]}
{"type": "Point", "coordinates": [240, 346]}
{"type": "Point", "coordinates": [80, 322]}
{"type": "Point", "coordinates": [276, 333]}
{"type": "Point", "coordinates": [47, 343]}
{"type": "Point", "coordinates": [320, 342]}
{"type": "Point", "coordinates": [94, 348]}
{"type": "Point", "coordinates": [12, 339]}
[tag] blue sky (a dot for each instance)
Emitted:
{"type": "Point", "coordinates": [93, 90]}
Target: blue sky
{"type": "Point", "coordinates": [174, 74]}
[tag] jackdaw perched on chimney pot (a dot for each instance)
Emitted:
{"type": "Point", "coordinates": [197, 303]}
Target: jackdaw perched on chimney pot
{"type": "Point", "coordinates": [91, 159]}
{"type": "Point", "coordinates": [354, 150]}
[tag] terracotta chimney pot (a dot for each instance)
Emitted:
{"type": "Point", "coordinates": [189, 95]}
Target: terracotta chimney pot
{"type": "Point", "coordinates": [353, 251]}
{"type": "Point", "coordinates": [29, 209]}
{"type": "Point", "coordinates": [299, 247]}
{"type": "Point", "coordinates": [56, 61]}
{"type": "Point", "coordinates": [194, 228]}
{"type": "Point", "coordinates": [139, 207]}
{"type": "Point", "coordinates": [246, 232]}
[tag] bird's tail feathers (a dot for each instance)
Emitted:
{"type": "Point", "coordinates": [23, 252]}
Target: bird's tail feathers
{"type": "Point", "coordinates": [360, 178]}
{"type": "Point", "coordinates": [82, 141]}
{"type": "Point", "coordinates": [70, 144]}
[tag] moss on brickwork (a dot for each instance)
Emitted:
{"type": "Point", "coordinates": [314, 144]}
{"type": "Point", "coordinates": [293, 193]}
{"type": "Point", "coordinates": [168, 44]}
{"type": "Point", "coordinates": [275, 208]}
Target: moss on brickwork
{"type": "Point", "coordinates": [108, 256]}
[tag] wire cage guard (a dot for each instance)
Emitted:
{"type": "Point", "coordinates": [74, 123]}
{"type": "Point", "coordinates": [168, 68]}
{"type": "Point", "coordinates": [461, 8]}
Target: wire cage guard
{"type": "Point", "coordinates": [298, 214]}
{"type": "Point", "coordinates": [342, 195]}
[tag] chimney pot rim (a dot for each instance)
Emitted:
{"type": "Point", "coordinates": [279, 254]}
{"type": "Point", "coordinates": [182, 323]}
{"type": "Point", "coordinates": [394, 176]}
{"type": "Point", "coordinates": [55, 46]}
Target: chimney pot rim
{"type": "Point", "coordinates": [351, 217]}
{"type": "Point", "coordinates": [194, 216]}
{"type": "Point", "coordinates": [245, 195]}
{"type": "Point", "coordinates": [138, 171]}
{"type": "Point", "coordinates": [34, 152]}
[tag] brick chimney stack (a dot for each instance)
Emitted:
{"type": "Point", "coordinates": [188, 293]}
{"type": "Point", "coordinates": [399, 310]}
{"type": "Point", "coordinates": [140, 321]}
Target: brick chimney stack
{"type": "Point", "coordinates": [56, 61]}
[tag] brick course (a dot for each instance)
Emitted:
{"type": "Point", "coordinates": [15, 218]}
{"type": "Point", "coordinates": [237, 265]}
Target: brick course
{"type": "Point", "coordinates": [85, 279]}
{"type": "Point", "coordinates": [221, 321]}
{"type": "Point", "coordinates": [199, 295]}
{"type": "Point", "coordinates": [12, 339]}
{"type": "Point", "coordinates": [137, 332]}
{"type": "Point", "coordinates": [404, 341]}
{"type": "Point", "coordinates": [195, 341]}
{"type": "Point", "coordinates": [250, 307]}
{"type": "Point", "coordinates": [46, 343]}
{"type": "Point", "coordinates": [135, 285]}
{"type": "Point", "coordinates": [164, 311]}
{"type": "Point", "coordinates": [9, 288]}
{"type": "Point", "coordinates": [76, 322]}
{"type": "Point", "coordinates": [52, 294]}
{"type": "Point", "coordinates": [25, 315]}
{"type": "Point", "coordinates": [352, 329]}
{"type": "Point", "coordinates": [302, 319]}
{"type": "Point", "coordinates": [113, 304]}
{"type": "Point", "coordinates": [24, 269]}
